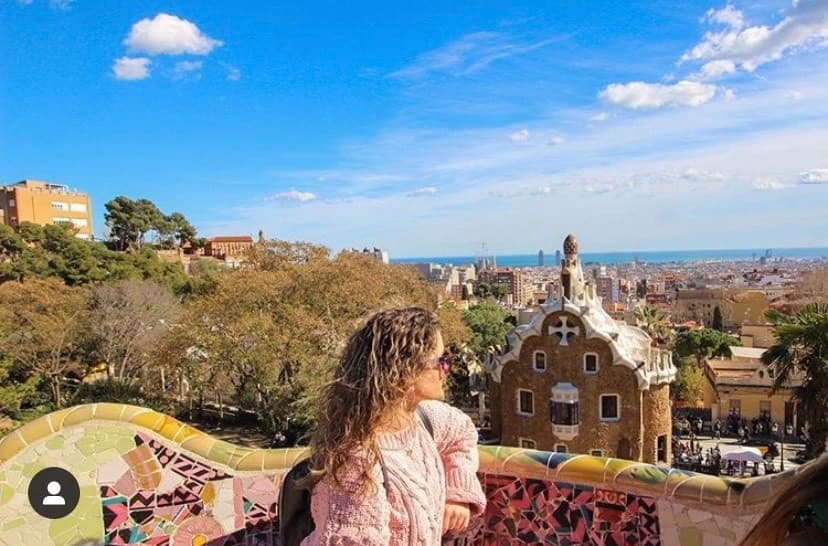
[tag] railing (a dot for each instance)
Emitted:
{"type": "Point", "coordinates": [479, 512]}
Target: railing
{"type": "Point", "coordinates": [147, 478]}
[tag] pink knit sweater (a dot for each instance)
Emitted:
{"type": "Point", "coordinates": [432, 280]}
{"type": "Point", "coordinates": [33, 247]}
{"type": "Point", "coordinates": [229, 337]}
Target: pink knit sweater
{"type": "Point", "coordinates": [423, 473]}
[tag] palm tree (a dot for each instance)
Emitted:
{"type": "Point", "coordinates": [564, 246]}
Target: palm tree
{"type": "Point", "coordinates": [654, 322]}
{"type": "Point", "coordinates": [802, 347]}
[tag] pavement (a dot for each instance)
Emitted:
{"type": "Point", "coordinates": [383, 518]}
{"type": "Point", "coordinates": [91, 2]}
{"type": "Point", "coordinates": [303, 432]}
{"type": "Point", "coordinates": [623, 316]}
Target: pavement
{"type": "Point", "coordinates": [726, 445]}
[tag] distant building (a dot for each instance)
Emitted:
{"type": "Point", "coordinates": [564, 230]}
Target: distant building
{"type": "Point", "coordinates": [741, 385]}
{"type": "Point", "coordinates": [757, 335]}
{"type": "Point", "coordinates": [228, 247]}
{"type": "Point", "coordinates": [44, 203]}
{"type": "Point", "coordinates": [376, 253]}
{"type": "Point", "coordinates": [557, 258]}
{"type": "Point", "coordinates": [519, 287]}
{"type": "Point", "coordinates": [540, 258]}
{"type": "Point", "coordinates": [575, 380]}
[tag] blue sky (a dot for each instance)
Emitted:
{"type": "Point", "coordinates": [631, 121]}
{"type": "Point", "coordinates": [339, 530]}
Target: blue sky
{"type": "Point", "coordinates": [428, 130]}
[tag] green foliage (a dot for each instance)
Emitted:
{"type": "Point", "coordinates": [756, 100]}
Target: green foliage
{"type": "Point", "coordinates": [689, 383]}
{"type": "Point", "coordinates": [267, 338]}
{"type": "Point", "coordinates": [489, 325]}
{"type": "Point", "coordinates": [717, 319]}
{"type": "Point", "coordinates": [802, 348]}
{"type": "Point", "coordinates": [129, 222]}
{"type": "Point", "coordinates": [654, 322]}
{"type": "Point", "coordinates": [703, 343]}
{"type": "Point", "coordinates": [31, 233]}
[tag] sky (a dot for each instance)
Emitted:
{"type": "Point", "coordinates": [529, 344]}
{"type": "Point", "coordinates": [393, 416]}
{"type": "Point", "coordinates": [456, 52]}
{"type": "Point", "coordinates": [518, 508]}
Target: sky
{"type": "Point", "coordinates": [431, 128]}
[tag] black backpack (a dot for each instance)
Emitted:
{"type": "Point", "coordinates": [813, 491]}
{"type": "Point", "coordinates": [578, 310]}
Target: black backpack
{"type": "Point", "coordinates": [295, 521]}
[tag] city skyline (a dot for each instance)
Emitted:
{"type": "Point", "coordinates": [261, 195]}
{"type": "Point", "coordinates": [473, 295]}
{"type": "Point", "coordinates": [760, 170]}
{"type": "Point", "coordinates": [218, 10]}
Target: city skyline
{"type": "Point", "coordinates": [425, 131]}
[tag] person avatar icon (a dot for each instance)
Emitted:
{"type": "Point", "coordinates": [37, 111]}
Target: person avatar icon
{"type": "Point", "coordinates": [54, 498]}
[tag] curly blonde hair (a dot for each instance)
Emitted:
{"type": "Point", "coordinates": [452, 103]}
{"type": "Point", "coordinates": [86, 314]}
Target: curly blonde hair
{"type": "Point", "coordinates": [377, 368]}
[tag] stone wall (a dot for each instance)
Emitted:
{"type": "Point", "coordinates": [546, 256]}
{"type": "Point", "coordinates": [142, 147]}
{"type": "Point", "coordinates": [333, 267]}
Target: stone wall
{"type": "Point", "coordinates": [658, 416]}
{"type": "Point", "coordinates": [564, 363]}
{"type": "Point", "coordinates": [146, 478]}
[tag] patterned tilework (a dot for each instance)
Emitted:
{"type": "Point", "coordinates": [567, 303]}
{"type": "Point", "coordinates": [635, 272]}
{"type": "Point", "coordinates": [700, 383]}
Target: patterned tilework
{"type": "Point", "coordinates": [530, 511]}
{"type": "Point", "coordinates": [146, 478]}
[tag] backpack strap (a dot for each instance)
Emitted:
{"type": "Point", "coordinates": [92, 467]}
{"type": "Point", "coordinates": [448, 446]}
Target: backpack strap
{"type": "Point", "coordinates": [425, 420]}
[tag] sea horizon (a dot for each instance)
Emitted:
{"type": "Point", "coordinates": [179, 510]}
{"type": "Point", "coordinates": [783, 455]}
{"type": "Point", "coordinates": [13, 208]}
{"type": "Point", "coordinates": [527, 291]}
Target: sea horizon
{"type": "Point", "coordinates": [629, 256]}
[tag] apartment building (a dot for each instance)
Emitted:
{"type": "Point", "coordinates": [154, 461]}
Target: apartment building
{"type": "Point", "coordinates": [44, 203]}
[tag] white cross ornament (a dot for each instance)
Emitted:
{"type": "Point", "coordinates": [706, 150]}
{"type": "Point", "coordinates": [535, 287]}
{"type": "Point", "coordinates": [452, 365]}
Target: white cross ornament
{"type": "Point", "coordinates": [564, 331]}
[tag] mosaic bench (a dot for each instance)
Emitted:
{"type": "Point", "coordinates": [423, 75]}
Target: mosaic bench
{"type": "Point", "coordinates": [146, 478]}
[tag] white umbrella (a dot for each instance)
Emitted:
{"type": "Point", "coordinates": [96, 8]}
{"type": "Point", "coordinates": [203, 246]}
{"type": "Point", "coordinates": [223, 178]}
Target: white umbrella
{"type": "Point", "coordinates": [749, 454]}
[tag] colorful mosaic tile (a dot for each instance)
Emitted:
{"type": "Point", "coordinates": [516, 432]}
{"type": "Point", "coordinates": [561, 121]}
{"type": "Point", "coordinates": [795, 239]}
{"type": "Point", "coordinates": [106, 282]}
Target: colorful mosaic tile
{"type": "Point", "coordinates": [147, 479]}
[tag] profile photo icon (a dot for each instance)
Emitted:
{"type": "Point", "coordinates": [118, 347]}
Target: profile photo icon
{"type": "Point", "coordinates": [54, 493]}
{"type": "Point", "coordinates": [54, 499]}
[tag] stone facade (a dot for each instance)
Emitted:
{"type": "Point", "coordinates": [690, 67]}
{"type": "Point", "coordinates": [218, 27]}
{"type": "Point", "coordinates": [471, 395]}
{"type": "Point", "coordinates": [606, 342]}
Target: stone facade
{"type": "Point", "coordinates": [549, 386]}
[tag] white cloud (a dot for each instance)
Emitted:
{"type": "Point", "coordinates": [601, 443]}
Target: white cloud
{"type": "Point", "coordinates": [717, 69]}
{"type": "Point", "coordinates": [598, 188]}
{"type": "Point", "coordinates": [233, 74]}
{"type": "Point", "coordinates": [187, 69]}
{"type": "Point", "coordinates": [169, 35]}
{"type": "Point", "coordinates": [61, 4]}
{"type": "Point", "coordinates": [770, 184]}
{"type": "Point", "coordinates": [728, 15]}
{"type": "Point", "coordinates": [520, 136]}
{"type": "Point", "coordinates": [814, 176]}
{"type": "Point", "coordinates": [793, 95]}
{"type": "Point", "coordinates": [423, 192]}
{"type": "Point", "coordinates": [468, 54]}
{"type": "Point", "coordinates": [293, 195]}
{"type": "Point", "coordinates": [729, 94]}
{"type": "Point", "coordinates": [557, 140]}
{"type": "Point", "coordinates": [804, 24]}
{"type": "Point", "coordinates": [131, 68]}
{"type": "Point", "coordinates": [637, 95]}
{"type": "Point", "coordinates": [24, 2]}
{"type": "Point", "coordinates": [601, 116]}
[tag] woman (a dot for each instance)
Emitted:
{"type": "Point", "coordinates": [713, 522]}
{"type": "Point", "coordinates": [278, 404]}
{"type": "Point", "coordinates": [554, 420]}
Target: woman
{"type": "Point", "coordinates": [382, 478]}
{"type": "Point", "coordinates": [799, 515]}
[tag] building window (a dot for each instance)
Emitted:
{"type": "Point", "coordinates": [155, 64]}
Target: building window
{"type": "Point", "coordinates": [591, 363]}
{"type": "Point", "coordinates": [539, 361]}
{"type": "Point", "coordinates": [77, 207]}
{"type": "Point", "coordinates": [661, 448]}
{"type": "Point", "coordinates": [526, 402]}
{"type": "Point", "coordinates": [59, 205]}
{"type": "Point", "coordinates": [735, 407]}
{"type": "Point", "coordinates": [564, 413]}
{"type": "Point", "coordinates": [610, 407]}
{"type": "Point", "coordinates": [526, 443]}
{"type": "Point", "coordinates": [79, 222]}
{"type": "Point", "coordinates": [765, 409]}
{"type": "Point", "coordinates": [596, 452]}
{"type": "Point", "coordinates": [561, 448]}
{"type": "Point", "coordinates": [11, 202]}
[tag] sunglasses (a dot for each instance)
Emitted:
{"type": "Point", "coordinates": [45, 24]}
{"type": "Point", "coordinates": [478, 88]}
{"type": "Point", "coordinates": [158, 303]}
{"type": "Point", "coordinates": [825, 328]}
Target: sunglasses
{"type": "Point", "coordinates": [442, 363]}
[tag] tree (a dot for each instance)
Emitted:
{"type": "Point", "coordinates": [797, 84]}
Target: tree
{"type": "Point", "coordinates": [126, 321]}
{"type": "Point", "coordinates": [45, 319]}
{"type": "Point", "coordinates": [489, 326]}
{"type": "Point", "coordinates": [689, 383]}
{"type": "Point", "coordinates": [703, 343]}
{"type": "Point", "coordinates": [129, 221]}
{"type": "Point", "coordinates": [717, 319]}
{"type": "Point", "coordinates": [654, 322]}
{"type": "Point", "coordinates": [268, 338]}
{"type": "Point", "coordinates": [31, 233]}
{"type": "Point", "coordinates": [802, 347]}
{"type": "Point", "coordinates": [183, 230]}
